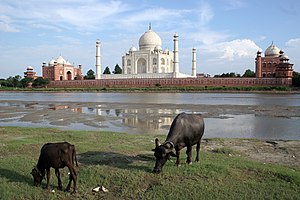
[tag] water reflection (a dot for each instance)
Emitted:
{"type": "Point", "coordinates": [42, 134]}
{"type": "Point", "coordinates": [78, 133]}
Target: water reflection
{"type": "Point", "coordinates": [221, 121]}
{"type": "Point", "coordinates": [145, 119]}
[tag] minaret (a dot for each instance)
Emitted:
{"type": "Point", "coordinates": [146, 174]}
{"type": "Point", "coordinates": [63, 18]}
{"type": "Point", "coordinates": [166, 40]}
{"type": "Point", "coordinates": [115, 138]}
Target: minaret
{"type": "Point", "coordinates": [194, 66]}
{"type": "Point", "coordinates": [98, 60]}
{"type": "Point", "coordinates": [258, 65]}
{"type": "Point", "coordinates": [175, 53]}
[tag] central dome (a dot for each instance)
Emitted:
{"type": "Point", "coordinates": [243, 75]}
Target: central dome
{"type": "Point", "coordinates": [149, 40]}
{"type": "Point", "coordinates": [272, 51]}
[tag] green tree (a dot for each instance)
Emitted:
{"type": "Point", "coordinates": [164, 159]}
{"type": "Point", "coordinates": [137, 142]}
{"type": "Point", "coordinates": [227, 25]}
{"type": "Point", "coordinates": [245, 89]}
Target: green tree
{"type": "Point", "coordinates": [13, 81]}
{"type": "Point", "coordinates": [106, 71]}
{"type": "Point", "coordinates": [296, 79]}
{"type": "Point", "coordinates": [90, 75]}
{"type": "Point", "coordinates": [249, 73]}
{"type": "Point", "coordinates": [40, 82]}
{"type": "Point", "coordinates": [24, 82]}
{"type": "Point", "coordinates": [117, 70]}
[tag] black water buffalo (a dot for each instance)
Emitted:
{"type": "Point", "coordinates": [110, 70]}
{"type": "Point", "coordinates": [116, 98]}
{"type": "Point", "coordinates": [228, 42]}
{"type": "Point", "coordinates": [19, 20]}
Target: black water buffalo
{"type": "Point", "coordinates": [56, 155]}
{"type": "Point", "coordinates": [186, 130]}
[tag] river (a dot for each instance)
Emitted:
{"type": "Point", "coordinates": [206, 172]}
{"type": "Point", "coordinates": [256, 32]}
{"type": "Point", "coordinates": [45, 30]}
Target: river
{"type": "Point", "coordinates": [226, 115]}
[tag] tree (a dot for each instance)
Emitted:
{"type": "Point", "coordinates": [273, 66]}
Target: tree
{"type": "Point", "coordinates": [117, 70]}
{"type": "Point", "coordinates": [13, 81]}
{"type": "Point", "coordinates": [106, 71]}
{"type": "Point", "coordinates": [24, 82]}
{"type": "Point", "coordinates": [90, 75]}
{"type": "Point", "coordinates": [249, 73]}
{"type": "Point", "coordinates": [296, 79]}
{"type": "Point", "coordinates": [40, 82]}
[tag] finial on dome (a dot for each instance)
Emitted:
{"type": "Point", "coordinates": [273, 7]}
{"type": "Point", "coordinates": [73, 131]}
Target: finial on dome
{"type": "Point", "coordinates": [150, 26]}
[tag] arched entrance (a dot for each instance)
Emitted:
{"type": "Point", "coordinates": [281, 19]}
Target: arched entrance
{"type": "Point", "coordinates": [141, 66]}
{"type": "Point", "coordinates": [69, 75]}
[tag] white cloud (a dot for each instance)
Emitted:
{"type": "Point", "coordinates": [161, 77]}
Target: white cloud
{"type": "Point", "coordinates": [5, 24]}
{"type": "Point", "coordinates": [293, 43]}
{"type": "Point", "coordinates": [205, 13]}
{"type": "Point", "coordinates": [233, 49]}
{"type": "Point", "coordinates": [234, 4]}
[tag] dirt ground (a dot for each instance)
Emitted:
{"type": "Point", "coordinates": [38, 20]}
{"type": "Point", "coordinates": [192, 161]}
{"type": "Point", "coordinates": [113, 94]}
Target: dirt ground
{"type": "Point", "coordinates": [66, 113]}
{"type": "Point", "coordinates": [281, 152]}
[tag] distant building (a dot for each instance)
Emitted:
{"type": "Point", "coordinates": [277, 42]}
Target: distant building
{"type": "Point", "coordinates": [29, 73]}
{"type": "Point", "coordinates": [275, 64]}
{"type": "Point", "coordinates": [60, 69]}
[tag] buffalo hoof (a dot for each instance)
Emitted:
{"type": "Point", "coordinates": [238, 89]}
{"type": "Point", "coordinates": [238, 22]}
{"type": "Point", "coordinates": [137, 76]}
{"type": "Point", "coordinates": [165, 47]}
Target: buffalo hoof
{"type": "Point", "coordinates": [156, 171]}
{"type": "Point", "coordinates": [74, 192]}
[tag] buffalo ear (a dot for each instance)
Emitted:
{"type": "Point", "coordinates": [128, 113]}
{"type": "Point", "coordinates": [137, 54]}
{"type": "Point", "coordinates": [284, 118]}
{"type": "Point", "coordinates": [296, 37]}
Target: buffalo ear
{"type": "Point", "coordinates": [157, 142]}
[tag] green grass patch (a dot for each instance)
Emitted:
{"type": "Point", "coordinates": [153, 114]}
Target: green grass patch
{"type": "Point", "coordinates": [122, 163]}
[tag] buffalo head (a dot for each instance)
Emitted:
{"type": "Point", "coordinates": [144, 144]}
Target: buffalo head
{"type": "Point", "coordinates": [37, 176]}
{"type": "Point", "coordinates": [162, 153]}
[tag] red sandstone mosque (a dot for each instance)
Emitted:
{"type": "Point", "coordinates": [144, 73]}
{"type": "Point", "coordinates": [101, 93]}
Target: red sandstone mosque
{"type": "Point", "coordinates": [59, 69]}
{"type": "Point", "coordinates": [275, 64]}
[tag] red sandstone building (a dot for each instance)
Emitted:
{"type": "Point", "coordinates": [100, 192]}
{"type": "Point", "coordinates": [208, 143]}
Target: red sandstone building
{"type": "Point", "coordinates": [60, 69]}
{"type": "Point", "coordinates": [275, 64]}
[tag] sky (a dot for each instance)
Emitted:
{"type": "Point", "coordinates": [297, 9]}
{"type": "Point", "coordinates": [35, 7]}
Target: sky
{"type": "Point", "coordinates": [226, 33]}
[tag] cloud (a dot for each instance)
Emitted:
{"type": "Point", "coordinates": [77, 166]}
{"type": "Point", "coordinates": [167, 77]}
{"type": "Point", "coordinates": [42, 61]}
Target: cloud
{"type": "Point", "coordinates": [235, 49]}
{"type": "Point", "coordinates": [293, 43]}
{"type": "Point", "coordinates": [5, 24]}
{"type": "Point", "coordinates": [63, 14]}
{"type": "Point", "coordinates": [234, 4]}
{"type": "Point", "coordinates": [205, 13]}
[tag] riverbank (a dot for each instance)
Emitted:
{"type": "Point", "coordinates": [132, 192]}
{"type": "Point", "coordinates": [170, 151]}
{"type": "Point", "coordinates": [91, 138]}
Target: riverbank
{"type": "Point", "coordinates": [201, 89]}
{"type": "Point", "coordinates": [122, 163]}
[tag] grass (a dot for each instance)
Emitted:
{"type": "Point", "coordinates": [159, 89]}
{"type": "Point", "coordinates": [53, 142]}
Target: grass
{"type": "Point", "coordinates": [122, 163]}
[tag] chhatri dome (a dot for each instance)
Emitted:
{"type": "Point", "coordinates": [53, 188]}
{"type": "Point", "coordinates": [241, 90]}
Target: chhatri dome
{"type": "Point", "coordinates": [272, 51]}
{"type": "Point", "coordinates": [150, 40]}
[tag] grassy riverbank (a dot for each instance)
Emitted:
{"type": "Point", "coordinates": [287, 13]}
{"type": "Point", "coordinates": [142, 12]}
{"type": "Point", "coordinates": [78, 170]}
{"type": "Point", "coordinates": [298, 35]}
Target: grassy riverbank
{"type": "Point", "coordinates": [122, 163]}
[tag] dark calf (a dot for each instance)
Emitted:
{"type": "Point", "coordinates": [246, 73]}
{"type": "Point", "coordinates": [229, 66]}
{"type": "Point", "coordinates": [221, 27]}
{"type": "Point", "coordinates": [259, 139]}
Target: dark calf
{"type": "Point", "coordinates": [56, 155]}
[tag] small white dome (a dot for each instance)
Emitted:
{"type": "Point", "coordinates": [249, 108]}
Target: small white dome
{"type": "Point", "coordinates": [157, 47]}
{"type": "Point", "coordinates": [51, 62]}
{"type": "Point", "coordinates": [29, 68]}
{"type": "Point", "coordinates": [272, 51]}
{"type": "Point", "coordinates": [132, 49]}
{"type": "Point", "coordinates": [61, 60]}
{"type": "Point", "coordinates": [284, 57]}
{"type": "Point", "coordinates": [149, 40]}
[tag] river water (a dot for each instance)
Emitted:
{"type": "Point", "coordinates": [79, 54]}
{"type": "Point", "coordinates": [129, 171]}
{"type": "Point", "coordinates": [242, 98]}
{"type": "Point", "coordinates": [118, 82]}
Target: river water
{"type": "Point", "coordinates": [226, 115]}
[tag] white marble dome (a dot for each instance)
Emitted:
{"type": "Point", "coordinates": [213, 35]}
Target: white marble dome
{"type": "Point", "coordinates": [272, 51]}
{"type": "Point", "coordinates": [149, 40]}
{"type": "Point", "coordinates": [61, 60]}
{"type": "Point", "coordinates": [132, 49]}
{"type": "Point", "coordinates": [51, 62]}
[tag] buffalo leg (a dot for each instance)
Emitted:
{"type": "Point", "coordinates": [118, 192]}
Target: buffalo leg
{"type": "Point", "coordinates": [177, 157]}
{"type": "Point", "coordinates": [48, 178]}
{"type": "Point", "coordinates": [189, 154]}
{"type": "Point", "coordinates": [58, 179]}
{"type": "Point", "coordinates": [72, 177]}
{"type": "Point", "coordinates": [198, 149]}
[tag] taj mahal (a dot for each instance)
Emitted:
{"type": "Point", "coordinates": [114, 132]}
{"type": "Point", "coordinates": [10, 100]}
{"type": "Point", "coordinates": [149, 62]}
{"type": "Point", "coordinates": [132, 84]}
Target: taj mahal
{"type": "Point", "coordinates": [151, 65]}
{"type": "Point", "coordinates": [149, 61]}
